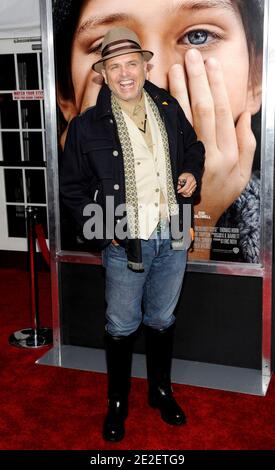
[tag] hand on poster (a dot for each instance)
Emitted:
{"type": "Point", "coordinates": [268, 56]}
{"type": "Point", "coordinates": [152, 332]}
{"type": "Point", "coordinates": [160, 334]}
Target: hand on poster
{"type": "Point", "coordinates": [229, 149]}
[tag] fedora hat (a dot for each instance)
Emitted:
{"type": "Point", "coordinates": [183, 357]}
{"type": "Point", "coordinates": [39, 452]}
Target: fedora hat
{"type": "Point", "coordinates": [119, 41]}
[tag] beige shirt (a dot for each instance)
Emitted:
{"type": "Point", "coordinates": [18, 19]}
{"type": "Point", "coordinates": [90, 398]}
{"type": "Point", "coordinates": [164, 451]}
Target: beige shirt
{"type": "Point", "coordinates": [150, 166]}
{"type": "Point", "coordinates": [138, 113]}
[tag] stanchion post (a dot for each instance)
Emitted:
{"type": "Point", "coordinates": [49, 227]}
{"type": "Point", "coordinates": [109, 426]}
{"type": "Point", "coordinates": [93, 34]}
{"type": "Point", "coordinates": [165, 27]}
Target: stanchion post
{"type": "Point", "coordinates": [31, 215]}
{"type": "Point", "coordinates": [34, 337]}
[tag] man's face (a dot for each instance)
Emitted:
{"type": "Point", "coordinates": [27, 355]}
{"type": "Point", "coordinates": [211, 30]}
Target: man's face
{"type": "Point", "coordinates": [168, 28]}
{"type": "Point", "coordinates": [125, 76]}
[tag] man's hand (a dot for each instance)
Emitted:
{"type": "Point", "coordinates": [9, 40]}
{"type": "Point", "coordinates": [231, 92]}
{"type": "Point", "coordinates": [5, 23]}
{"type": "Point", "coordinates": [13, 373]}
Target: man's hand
{"type": "Point", "coordinates": [186, 184]}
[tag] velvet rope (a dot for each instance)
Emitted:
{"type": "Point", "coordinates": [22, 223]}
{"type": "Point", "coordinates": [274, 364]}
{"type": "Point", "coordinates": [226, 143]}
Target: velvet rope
{"type": "Point", "coordinates": [41, 239]}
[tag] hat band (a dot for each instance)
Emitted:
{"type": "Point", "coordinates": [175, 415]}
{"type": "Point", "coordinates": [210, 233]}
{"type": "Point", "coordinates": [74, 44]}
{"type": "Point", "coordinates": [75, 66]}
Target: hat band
{"type": "Point", "coordinates": [110, 49]}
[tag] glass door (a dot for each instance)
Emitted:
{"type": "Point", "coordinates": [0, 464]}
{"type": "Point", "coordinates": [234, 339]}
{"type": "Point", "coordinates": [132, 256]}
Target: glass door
{"type": "Point", "coordinates": [22, 140]}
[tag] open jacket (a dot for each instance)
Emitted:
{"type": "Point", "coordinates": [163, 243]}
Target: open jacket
{"type": "Point", "coordinates": [91, 166]}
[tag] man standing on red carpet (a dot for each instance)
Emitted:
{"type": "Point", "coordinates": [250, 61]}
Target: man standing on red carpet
{"type": "Point", "coordinates": [135, 162]}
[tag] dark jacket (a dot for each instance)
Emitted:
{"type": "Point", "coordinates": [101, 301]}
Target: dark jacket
{"type": "Point", "coordinates": [91, 167]}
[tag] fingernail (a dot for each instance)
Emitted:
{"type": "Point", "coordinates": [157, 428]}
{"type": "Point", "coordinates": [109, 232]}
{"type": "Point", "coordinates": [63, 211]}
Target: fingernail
{"type": "Point", "coordinates": [177, 66]}
{"type": "Point", "coordinates": [212, 62]}
{"type": "Point", "coordinates": [177, 69]}
{"type": "Point", "coordinates": [193, 55]}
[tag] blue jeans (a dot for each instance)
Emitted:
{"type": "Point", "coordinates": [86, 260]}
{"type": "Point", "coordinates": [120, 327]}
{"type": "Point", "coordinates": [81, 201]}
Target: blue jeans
{"type": "Point", "coordinates": [158, 287]}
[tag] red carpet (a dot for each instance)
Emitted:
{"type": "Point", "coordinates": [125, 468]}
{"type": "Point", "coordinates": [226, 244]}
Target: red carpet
{"type": "Point", "coordinates": [46, 408]}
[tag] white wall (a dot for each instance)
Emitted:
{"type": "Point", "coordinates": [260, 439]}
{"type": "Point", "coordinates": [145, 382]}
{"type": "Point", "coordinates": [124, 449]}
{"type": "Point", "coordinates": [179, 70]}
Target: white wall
{"type": "Point", "coordinates": [19, 18]}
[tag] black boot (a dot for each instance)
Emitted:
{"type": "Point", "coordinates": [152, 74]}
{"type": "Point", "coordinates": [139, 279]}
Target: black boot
{"type": "Point", "coordinates": [119, 360]}
{"type": "Point", "coordinates": [159, 350]}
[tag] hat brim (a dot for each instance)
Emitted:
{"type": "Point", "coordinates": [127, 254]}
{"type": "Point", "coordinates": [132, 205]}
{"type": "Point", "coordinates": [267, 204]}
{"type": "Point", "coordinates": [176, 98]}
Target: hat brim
{"type": "Point", "coordinates": [98, 66]}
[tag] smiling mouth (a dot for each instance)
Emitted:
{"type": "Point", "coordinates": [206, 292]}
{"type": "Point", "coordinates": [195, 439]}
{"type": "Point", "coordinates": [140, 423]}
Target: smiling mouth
{"type": "Point", "coordinates": [125, 84]}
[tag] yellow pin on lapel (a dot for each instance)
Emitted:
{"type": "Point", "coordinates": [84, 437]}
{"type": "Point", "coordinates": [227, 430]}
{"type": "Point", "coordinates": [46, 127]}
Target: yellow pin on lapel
{"type": "Point", "coordinates": [165, 103]}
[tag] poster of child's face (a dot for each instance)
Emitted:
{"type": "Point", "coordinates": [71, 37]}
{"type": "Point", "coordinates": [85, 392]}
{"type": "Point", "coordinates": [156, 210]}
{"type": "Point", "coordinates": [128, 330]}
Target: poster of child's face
{"type": "Point", "coordinates": [208, 55]}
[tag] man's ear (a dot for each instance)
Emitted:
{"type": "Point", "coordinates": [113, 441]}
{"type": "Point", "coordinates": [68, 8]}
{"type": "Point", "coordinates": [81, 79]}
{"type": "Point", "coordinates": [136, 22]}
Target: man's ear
{"type": "Point", "coordinates": [103, 72]}
{"type": "Point", "coordinates": [254, 94]}
{"type": "Point", "coordinates": [146, 71]}
{"type": "Point", "coordinates": [67, 107]}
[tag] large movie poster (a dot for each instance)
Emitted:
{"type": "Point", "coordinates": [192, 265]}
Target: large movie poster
{"type": "Point", "coordinates": [220, 93]}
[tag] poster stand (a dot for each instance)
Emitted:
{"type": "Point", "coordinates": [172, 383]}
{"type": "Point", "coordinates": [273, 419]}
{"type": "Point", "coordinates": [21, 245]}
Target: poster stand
{"type": "Point", "coordinates": [238, 379]}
